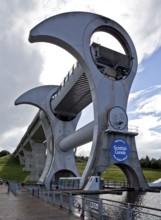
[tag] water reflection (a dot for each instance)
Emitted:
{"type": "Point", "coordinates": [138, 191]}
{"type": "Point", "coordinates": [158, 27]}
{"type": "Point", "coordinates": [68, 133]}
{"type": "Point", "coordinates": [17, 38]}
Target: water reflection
{"type": "Point", "coordinates": [134, 197]}
{"type": "Point", "coordinates": [149, 199]}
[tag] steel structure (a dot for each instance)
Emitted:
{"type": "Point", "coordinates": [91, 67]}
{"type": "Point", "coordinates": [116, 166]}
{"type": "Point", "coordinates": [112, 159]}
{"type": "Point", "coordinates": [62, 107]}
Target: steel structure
{"type": "Point", "coordinates": [101, 76]}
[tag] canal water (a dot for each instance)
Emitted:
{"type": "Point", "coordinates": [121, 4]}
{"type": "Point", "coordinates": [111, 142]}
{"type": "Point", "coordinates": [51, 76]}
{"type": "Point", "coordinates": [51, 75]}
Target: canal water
{"type": "Point", "coordinates": [114, 210]}
{"type": "Point", "coordinates": [150, 199]}
{"type": "Point", "coordinates": [140, 199]}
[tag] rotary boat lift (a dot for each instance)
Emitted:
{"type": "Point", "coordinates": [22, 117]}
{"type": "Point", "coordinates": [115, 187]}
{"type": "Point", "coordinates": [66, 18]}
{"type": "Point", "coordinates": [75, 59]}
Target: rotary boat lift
{"type": "Point", "coordinates": [101, 76]}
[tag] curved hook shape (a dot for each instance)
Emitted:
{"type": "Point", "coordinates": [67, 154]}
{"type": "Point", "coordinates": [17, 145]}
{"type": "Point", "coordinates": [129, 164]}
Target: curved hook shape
{"type": "Point", "coordinates": [36, 96]}
{"type": "Point", "coordinates": [63, 31]}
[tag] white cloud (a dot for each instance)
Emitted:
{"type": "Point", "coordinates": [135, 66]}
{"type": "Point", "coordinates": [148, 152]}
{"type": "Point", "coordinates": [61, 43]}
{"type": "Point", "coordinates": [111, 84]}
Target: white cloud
{"type": "Point", "coordinates": [146, 114]}
{"type": "Point", "coordinates": [25, 65]}
{"type": "Point", "coordinates": [84, 150]}
{"type": "Point", "coordinates": [146, 101]}
{"type": "Point", "coordinates": [55, 67]}
{"type": "Point", "coordinates": [148, 142]}
{"type": "Point", "coordinates": [150, 105]}
{"type": "Point", "coordinates": [12, 136]}
{"type": "Point", "coordinates": [133, 96]}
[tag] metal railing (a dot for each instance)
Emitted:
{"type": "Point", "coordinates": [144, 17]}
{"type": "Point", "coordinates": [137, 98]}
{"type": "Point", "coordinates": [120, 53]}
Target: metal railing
{"type": "Point", "coordinates": [132, 128]}
{"type": "Point", "coordinates": [95, 208]}
{"type": "Point", "coordinates": [13, 187]}
{"type": "Point", "coordinates": [71, 72]}
{"type": "Point", "coordinates": [116, 184]}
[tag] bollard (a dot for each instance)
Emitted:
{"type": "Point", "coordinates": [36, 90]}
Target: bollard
{"type": "Point", "coordinates": [100, 210]}
{"type": "Point", "coordinates": [38, 193]}
{"type": "Point", "coordinates": [48, 196]}
{"type": "Point", "coordinates": [32, 191]}
{"type": "Point", "coordinates": [61, 200]}
{"type": "Point", "coordinates": [83, 205]}
{"type": "Point", "coordinates": [53, 197]}
{"type": "Point", "coordinates": [43, 193]}
{"type": "Point", "coordinates": [128, 211]}
{"type": "Point", "coordinates": [70, 202]}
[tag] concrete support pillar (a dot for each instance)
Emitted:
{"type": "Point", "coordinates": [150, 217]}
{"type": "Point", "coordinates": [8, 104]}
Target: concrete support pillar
{"type": "Point", "coordinates": [21, 159]}
{"type": "Point", "coordinates": [38, 160]}
{"type": "Point", "coordinates": [27, 159]}
{"type": "Point", "coordinates": [49, 145]}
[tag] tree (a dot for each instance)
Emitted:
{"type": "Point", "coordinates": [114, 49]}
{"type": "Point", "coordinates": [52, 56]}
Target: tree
{"type": "Point", "coordinates": [145, 162]}
{"type": "Point", "coordinates": [155, 164]}
{"type": "Point", "coordinates": [150, 163]}
{"type": "Point", "coordinates": [4, 153]}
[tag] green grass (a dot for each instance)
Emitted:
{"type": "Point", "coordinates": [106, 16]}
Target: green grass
{"type": "Point", "coordinates": [10, 169]}
{"type": "Point", "coordinates": [81, 167]}
{"type": "Point", "coordinates": [152, 175]}
{"type": "Point", "coordinates": [115, 174]}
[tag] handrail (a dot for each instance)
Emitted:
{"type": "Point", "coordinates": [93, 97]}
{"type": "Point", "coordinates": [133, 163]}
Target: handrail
{"type": "Point", "coordinates": [133, 128]}
{"type": "Point", "coordinates": [66, 78]}
{"type": "Point", "coordinates": [82, 205]}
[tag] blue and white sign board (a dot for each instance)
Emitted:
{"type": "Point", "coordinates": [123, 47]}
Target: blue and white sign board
{"type": "Point", "coordinates": [120, 150]}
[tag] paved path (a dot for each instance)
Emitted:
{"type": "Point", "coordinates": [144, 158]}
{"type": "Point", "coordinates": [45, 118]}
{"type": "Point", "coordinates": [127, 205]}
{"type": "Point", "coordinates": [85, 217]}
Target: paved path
{"type": "Point", "coordinates": [26, 207]}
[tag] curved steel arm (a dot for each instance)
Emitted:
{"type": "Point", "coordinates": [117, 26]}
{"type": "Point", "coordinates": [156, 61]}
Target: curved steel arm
{"type": "Point", "coordinates": [36, 96]}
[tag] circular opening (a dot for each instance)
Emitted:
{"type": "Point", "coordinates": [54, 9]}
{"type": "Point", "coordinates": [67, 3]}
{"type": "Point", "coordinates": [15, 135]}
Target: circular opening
{"type": "Point", "coordinates": [109, 52]}
{"type": "Point", "coordinates": [107, 40]}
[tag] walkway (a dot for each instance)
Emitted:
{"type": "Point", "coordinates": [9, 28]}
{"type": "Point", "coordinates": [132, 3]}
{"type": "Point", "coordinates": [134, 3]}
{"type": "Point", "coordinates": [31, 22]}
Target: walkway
{"type": "Point", "coordinates": [26, 207]}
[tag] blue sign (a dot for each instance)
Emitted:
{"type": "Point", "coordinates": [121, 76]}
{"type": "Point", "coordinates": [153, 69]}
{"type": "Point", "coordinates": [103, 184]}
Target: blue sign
{"type": "Point", "coordinates": [120, 150]}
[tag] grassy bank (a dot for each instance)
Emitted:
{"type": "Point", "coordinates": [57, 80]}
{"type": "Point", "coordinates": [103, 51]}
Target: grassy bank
{"type": "Point", "coordinates": [115, 174]}
{"type": "Point", "coordinates": [10, 169]}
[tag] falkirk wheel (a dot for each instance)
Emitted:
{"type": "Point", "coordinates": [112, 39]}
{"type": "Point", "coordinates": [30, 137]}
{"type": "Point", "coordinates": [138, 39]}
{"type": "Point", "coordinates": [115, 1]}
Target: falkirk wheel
{"type": "Point", "coordinates": [101, 76]}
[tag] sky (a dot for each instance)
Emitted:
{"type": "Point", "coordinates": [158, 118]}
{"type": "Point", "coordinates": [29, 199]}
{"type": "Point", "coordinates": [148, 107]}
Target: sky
{"type": "Point", "coordinates": [24, 66]}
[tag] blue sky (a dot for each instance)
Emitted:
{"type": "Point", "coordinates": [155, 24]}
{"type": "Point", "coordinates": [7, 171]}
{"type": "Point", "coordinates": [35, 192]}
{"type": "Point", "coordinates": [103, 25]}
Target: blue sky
{"type": "Point", "coordinates": [144, 107]}
{"type": "Point", "coordinates": [24, 66]}
{"type": "Point", "coordinates": [150, 74]}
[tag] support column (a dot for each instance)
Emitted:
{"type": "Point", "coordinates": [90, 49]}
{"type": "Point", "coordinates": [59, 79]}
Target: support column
{"type": "Point", "coordinates": [38, 160]}
{"type": "Point", "coordinates": [49, 145]}
{"type": "Point", "coordinates": [27, 159]}
{"type": "Point", "coordinates": [21, 159]}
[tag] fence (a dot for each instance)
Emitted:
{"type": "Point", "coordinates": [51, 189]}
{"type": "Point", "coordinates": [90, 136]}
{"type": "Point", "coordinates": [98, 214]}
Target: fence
{"type": "Point", "coordinates": [88, 207]}
{"type": "Point", "coordinates": [14, 187]}
{"type": "Point", "coordinates": [71, 72]}
{"type": "Point", "coordinates": [115, 184]}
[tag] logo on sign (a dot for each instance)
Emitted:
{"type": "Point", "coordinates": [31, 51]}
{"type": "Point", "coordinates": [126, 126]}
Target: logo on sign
{"type": "Point", "coordinates": [120, 150]}
{"type": "Point", "coordinates": [93, 205]}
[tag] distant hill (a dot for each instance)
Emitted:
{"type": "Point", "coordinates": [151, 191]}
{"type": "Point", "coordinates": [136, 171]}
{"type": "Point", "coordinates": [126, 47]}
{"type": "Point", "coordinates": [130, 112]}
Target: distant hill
{"type": "Point", "coordinates": [10, 169]}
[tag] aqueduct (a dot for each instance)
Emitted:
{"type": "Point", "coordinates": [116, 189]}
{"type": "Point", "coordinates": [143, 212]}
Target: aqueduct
{"type": "Point", "coordinates": [101, 76]}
